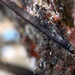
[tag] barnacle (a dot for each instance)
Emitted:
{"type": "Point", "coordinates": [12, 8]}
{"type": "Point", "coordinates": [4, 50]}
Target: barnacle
{"type": "Point", "coordinates": [54, 16]}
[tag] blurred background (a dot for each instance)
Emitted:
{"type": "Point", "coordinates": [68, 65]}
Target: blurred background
{"type": "Point", "coordinates": [19, 41]}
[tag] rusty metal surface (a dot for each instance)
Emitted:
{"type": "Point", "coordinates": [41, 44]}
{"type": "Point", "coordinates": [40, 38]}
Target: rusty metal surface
{"type": "Point", "coordinates": [26, 16]}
